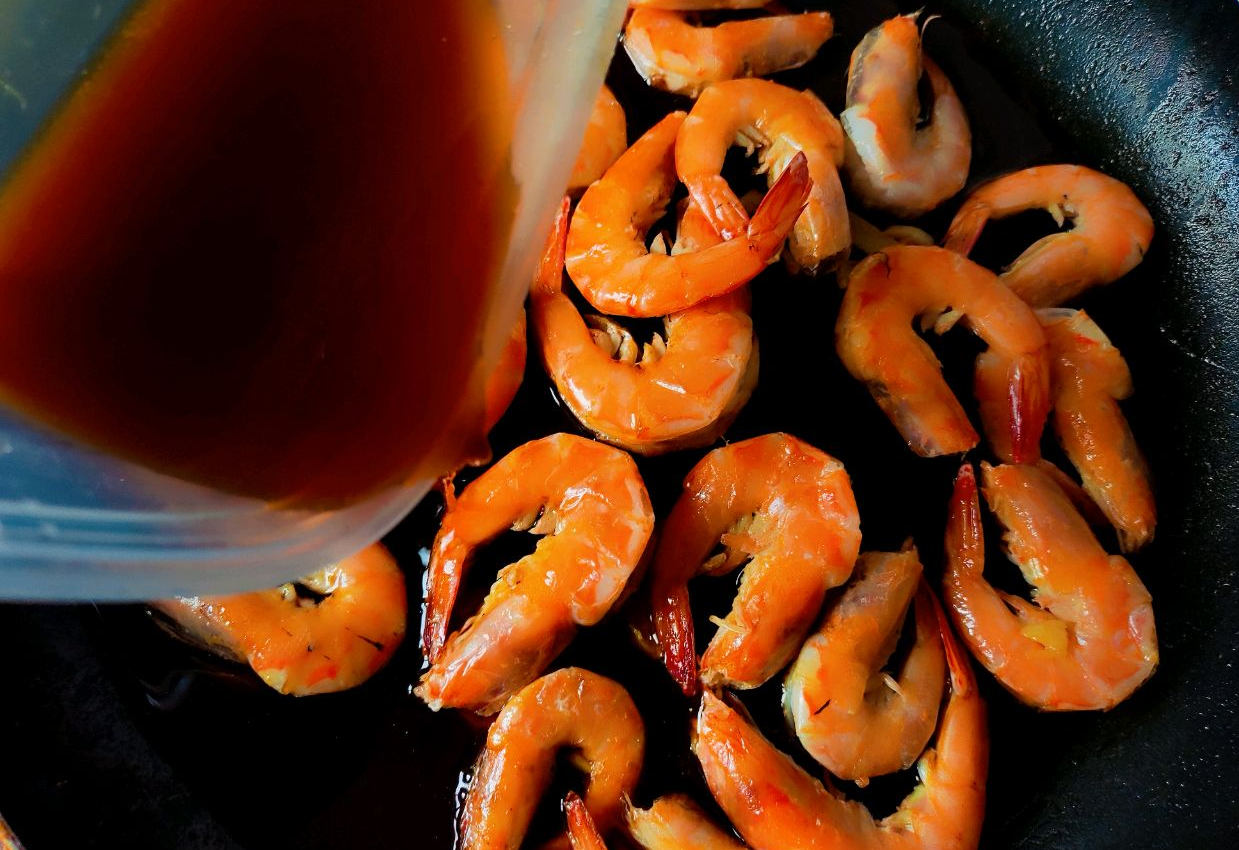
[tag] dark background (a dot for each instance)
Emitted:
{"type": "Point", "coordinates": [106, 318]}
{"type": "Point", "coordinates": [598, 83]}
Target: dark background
{"type": "Point", "coordinates": [113, 735]}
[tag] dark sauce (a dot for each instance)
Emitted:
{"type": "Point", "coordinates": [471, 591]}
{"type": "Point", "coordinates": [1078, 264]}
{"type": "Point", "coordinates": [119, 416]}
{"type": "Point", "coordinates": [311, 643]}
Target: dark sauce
{"type": "Point", "coordinates": [236, 246]}
{"type": "Point", "coordinates": [375, 768]}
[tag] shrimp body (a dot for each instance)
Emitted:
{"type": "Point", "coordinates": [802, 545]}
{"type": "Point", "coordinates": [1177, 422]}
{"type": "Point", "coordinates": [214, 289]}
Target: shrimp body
{"type": "Point", "coordinates": [332, 638]}
{"type": "Point", "coordinates": [855, 720]}
{"type": "Point", "coordinates": [672, 54]}
{"type": "Point", "coordinates": [1110, 234]}
{"type": "Point", "coordinates": [1090, 378]}
{"type": "Point", "coordinates": [775, 804]}
{"type": "Point", "coordinates": [682, 391]}
{"type": "Point", "coordinates": [1087, 640]}
{"type": "Point", "coordinates": [589, 502]}
{"type": "Point", "coordinates": [878, 346]}
{"type": "Point", "coordinates": [505, 380]}
{"type": "Point", "coordinates": [606, 136]}
{"type": "Point", "coordinates": [779, 122]}
{"type": "Point", "coordinates": [788, 509]}
{"type": "Point", "coordinates": [893, 165]}
{"type": "Point", "coordinates": [675, 822]}
{"type": "Point", "coordinates": [567, 709]}
{"type": "Point", "coordinates": [607, 257]}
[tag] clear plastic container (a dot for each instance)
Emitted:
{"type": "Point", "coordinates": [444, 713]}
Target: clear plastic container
{"type": "Point", "coordinates": [80, 523]}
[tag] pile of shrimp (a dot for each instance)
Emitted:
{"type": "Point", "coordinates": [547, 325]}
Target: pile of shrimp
{"type": "Point", "coordinates": [874, 662]}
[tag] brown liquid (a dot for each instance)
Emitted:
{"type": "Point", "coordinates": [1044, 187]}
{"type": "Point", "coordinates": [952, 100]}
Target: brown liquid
{"type": "Point", "coordinates": [254, 246]}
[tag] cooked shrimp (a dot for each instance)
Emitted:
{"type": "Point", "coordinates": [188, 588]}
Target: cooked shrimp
{"type": "Point", "coordinates": [570, 709]}
{"type": "Point", "coordinates": [785, 507]}
{"type": "Point", "coordinates": [590, 503]}
{"type": "Point", "coordinates": [774, 803]}
{"type": "Point", "coordinates": [582, 831]}
{"type": "Point", "coordinates": [607, 257]}
{"type": "Point", "coordinates": [329, 631]}
{"type": "Point", "coordinates": [672, 54]}
{"type": "Point", "coordinates": [855, 719]}
{"type": "Point", "coordinates": [878, 346]}
{"type": "Point", "coordinates": [780, 123]}
{"type": "Point", "coordinates": [1090, 378]}
{"type": "Point", "coordinates": [1087, 639]}
{"type": "Point", "coordinates": [505, 380]}
{"type": "Point", "coordinates": [675, 822]}
{"type": "Point", "coordinates": [1110, 230]}
{"type": "Point", "coordinates": [891, 163]}
{"type": "Point", "coordinates": [606, 136]}
{"type": "Point", "coordinates": [680, 390]}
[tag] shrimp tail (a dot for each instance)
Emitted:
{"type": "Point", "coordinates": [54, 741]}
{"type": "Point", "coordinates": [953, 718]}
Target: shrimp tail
{"type": "Point", "coordinates": [965, 541]}
{"type": "Point", "coordinates": [965, 230]}
{"type": "Point", "coordinates": [962, 679]}
{"type": "Point", "coordinates": [443, 585]}
{"type": "Point", "coordinates": [582, 831]}
{"type": "Point", "coordinates": [783, 204]}
{"type": "Point", "coordinates": [674, 621]}
{"type": "Point", "coordinates": [550, 274]}
{"type": "Point", "coordinates": [1014, 399]}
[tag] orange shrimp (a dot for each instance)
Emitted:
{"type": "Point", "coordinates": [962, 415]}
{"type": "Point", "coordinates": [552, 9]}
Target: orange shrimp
{"type": "Point", "coordinates": [1090, 378]}
{"type": "Point", "coordinates": [780, 123]}
{"type": "Point", "coordinates": [675, 822]}
{"type": "Point", "coordinates": [327, 632]}
{"type": "Point", "coordinates": [672, 54]}
{"type": "Point", "coordinates": [876, 343]}
{"type": "Point", "coordinates": [1110, 234]}
{"type": "Point", "coordinates": [582, 831]}
{"type": "Point", "coordinates": [606, 254]}
{"type": "Point", "coordinates": [1087, 640]}
{"type": "Point", "coordinates": [683, 390]}
{"type": "Point", "coordinates": [854, 719]}
{"type": "Point", "coordinates": [568, 709]}
{"type": "Point", "coordinates": [774, 803]}
{"type": "Point", "coordinates": [590, 503]}
{"type": "Point", "coordinates": [785, 507]}
{"type": "Point", "coordinates": [606, 136]}
{"type": "Point", "coordinates": [505, 380]}
{"type": "Point", "coordinates": [892, 164]}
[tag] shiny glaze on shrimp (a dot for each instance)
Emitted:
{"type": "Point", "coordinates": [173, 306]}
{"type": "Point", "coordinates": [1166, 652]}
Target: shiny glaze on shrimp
{"type": "Point", "coordinates": [1087, 640]}
{"type": "Point", "coordinates": [326, 632]}
{"type": "Point", "coordinates": [681, 390]}
{"type": "Point", "coordinates": [1090, 378]}
{"type": "Point", "coordinates": [674, 55]}
{"type": "Point", "coordinates": [607, 257]}
{"type": "Point", "coordinates": [569, 709]}
{"type": "Point", "coordinates": [878, 346]}
{"type": "Point", "coordinates": [675, 822]}
{"type": "Point", "coordinates": [606, 137]}
{"type": "Point", "coordinates": [1110, 234]}
{"type": "Point", "coordinates": [785, 507]}
{"type": "Point", "coordinates": [779, 123]}
{"type": "Point", "coordinates": [590, 505]}
{"type": "Point", "coordinates": [775, 804]}
{"type": "Point", "coordinates": [891, 163]}
{"type": "Point", "coordinates": [856, 720]}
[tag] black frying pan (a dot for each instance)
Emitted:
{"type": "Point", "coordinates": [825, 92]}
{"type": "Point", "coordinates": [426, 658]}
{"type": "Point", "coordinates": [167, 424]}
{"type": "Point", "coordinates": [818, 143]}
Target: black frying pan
{"type": "Point", "coordinates": [111, 735]}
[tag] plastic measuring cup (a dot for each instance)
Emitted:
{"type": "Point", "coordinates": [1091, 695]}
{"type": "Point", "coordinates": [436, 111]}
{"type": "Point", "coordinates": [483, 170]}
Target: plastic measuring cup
{"type": "Point", "coordinates": [77, 522]}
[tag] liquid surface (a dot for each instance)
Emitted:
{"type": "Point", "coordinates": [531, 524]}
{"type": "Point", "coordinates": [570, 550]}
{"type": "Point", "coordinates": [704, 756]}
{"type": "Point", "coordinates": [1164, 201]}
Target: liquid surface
{"type": "Point", "coordinates": [375, 768]}
{"type": "Point", "coordinates": [253, 248]}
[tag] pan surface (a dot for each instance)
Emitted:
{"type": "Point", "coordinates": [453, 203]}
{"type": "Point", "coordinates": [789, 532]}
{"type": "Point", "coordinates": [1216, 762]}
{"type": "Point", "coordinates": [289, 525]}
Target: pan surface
{"type": "Point", "coordinates": [112, 735]}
